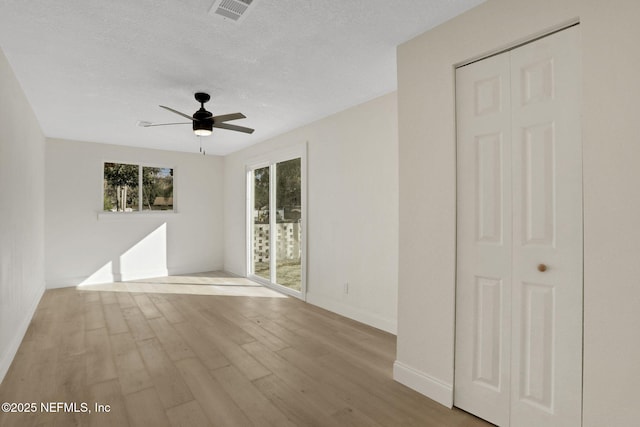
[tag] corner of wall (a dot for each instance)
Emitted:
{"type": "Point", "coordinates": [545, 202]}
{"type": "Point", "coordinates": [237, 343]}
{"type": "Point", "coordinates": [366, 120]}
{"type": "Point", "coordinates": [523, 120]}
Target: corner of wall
{"type": "Point", "coordinates": [425, 384]}
{"type": "Point", "coordinates": [366, 317]}
{"type": "Point", "coordinates": [22, 211]}
{"type": "Point", "coordinates": [12, 348]}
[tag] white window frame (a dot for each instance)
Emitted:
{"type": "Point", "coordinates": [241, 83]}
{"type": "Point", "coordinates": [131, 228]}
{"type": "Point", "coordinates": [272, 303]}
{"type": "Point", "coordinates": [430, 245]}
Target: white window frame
{"type": "Point", "coordinates": [102, 214]}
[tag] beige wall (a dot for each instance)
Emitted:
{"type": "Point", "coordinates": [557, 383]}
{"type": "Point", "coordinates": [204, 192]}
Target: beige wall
{"type": "Point", "coordinates": [611, 153]}
{"type": "Point", "coordinates": [128, 246]}
{"type": "Point", "coordinates": [21, 214]}
{"type": "Point", "coordinates": [352, 209]}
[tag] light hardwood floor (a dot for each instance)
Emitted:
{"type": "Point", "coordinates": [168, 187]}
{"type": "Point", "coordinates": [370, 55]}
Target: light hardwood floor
{"type": "Point", "coordinates": [206, 350]}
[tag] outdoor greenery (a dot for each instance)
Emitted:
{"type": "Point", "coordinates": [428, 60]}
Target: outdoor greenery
{"type": "Point", "coordinates": [122, 188]}
{"type": "Point", "coordinates": [261, 195]}
{"type": "Point", "coordinates": [288, 193]}
{"type": "Point", "coordinates": [157, 188]}
{"type": "Point", "coordinates": [288, 190]}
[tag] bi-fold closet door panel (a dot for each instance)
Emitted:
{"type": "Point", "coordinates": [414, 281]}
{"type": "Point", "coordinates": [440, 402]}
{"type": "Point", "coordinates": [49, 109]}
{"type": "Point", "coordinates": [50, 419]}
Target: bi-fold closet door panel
{"type": "Point", "coordinates": [483, 315]}
{"type": "Point", "coordinates": [519, 235]}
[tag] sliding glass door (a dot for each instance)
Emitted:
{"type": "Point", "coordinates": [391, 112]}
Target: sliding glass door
{"type": "Point", "coordinates": [276, 243]}
{"type": "Point", "coordinates": [261, 225]}
{"type": "Point", "coordinates": [288, 232]}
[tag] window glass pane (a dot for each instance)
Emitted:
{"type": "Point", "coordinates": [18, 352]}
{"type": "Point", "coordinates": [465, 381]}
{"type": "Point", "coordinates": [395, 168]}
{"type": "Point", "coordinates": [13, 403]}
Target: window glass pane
{"type": "Point", "coordinates": [157, 189]}
{"type": "Point", "coordinates": [288, 217]}
{"type": "Point", "coordinates": [120, 187]}
{"type": "Point", "coordinates": [261, 228]}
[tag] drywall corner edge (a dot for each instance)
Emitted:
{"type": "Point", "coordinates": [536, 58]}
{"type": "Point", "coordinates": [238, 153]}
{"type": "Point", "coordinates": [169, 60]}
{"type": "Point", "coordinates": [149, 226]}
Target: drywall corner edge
{"type": "Point", "coordinates": [7, 358]}
{"type": "Point", "coordinates": [362, 316]}
{"type": "Point", "coordinates": [423, 383]}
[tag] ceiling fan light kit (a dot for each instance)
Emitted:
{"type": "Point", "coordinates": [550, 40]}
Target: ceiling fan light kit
{"type": "Point", "coordinates": [204, 121]}
{"type": "Point", "coordinates": [202, 132]}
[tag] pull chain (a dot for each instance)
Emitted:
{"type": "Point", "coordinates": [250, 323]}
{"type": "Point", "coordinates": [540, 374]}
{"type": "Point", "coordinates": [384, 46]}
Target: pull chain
{"type": "Point", "coordinates": [204, 153]}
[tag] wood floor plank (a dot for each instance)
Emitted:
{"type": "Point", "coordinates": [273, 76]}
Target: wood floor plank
{"type": "Point", "coordinates": [108, 393]}
{"type": "Point", "coordinates": [173, 344]}
{"type": "Point", "coordinates": [166, 378]}
{"type": "Point", "coordinates": [114, 319]}
{"type": "Point", "coordinates": [188, 414]}
{"type": "Point", "coordinates": [125, 299]}
{"type": "Point", "coordinates": [137, 323]}
{"type": "Point", "coordinates": [233, 352]}
{"type": "Point", "coordinates": [253, 403]}
{"type": "Point", "coordinates": [215, 402]}
{"type": "Point", "coordinates": [70, 381]}
{"type": "Point", "coordinates": [303, 343]}
{"type": "Point", "coordinates": [295, 406]}
{"type": "Point", "coordinates": [73, 343]}
{"type": "Point", "coordinates": [167, 309]}
{"type": "Point", "coordinates": [257, 332]}
{"type": "Point", "coordinates": [131, 369]}
{"type": "Point", "coordinates": [91, 297]}
{"type": "Point", "coordinates": [239, 357]}
{"type": "Point", "coordinates": [216, 320]}
{"type": "Point", "coordinates": [94, 316]}
{"type": "Point", "coordinates": [145, 409]}
{"type": "Point", "coordinates": [356, 395]}
{"type": "Point", "coordinates": [202, 345]}
{"type": "Point", "coordinates": [181, 358]}
{"type": "Point", "coordinates": [108, 298]}
{"type": "Point", "coordinates": [99, 357]}
{"type": "Point", "coordinates": [149, 310]}
{"type": "Point", "coordinates": [310, 388]}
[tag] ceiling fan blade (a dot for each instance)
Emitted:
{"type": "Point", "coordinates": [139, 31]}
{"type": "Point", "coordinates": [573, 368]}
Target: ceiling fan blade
{"type": "Point", "coordinates": [177, 112]}
{"type": "Point", "coordinates": [164, 124]}
{"type": "Point", "coordinates": [227, 117]}
{"type": "Point", "coordinates": [232, 127]}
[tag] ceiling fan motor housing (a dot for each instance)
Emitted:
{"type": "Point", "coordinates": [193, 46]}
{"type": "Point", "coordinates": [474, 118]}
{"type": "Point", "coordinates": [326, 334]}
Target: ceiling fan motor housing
{"type": "Point", "coordinates": [203, 119]}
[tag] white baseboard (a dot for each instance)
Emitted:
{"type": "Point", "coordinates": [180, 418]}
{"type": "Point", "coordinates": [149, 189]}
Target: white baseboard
{"type": "Point", "coordinates": [194, 269]}
{"type": "Point", "coordinates": [14, 344]}
{"type": "Point", "coordinates": [387, 325]}
{"type": "Point", "coordinates": [68, 282]}
{"type": "Point", "coordinates": [137, 275]}
{"type": "Point", "coordinates": [433, 388]}
{"type": "Point", "coordinates": [108, 277]}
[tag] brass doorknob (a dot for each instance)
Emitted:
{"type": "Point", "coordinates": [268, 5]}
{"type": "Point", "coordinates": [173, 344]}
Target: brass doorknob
{"type": "Point", "coordinates": [542, 267]}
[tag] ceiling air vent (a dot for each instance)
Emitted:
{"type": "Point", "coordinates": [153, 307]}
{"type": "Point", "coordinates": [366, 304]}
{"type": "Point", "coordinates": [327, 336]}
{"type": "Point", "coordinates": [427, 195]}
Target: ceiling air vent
{"type": "Point", "coordinates": [235, 10]}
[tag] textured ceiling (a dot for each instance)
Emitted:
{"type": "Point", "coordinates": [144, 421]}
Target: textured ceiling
{"type": "Point", "coordinates": [92, 69]}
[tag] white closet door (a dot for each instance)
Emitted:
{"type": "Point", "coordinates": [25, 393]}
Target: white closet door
{"type": "Point", "coordinates": [546, 380]}
{"type": "Point", "coordinates": [483, 325]}
{"type": "Point", "coordinates": [519, 329]}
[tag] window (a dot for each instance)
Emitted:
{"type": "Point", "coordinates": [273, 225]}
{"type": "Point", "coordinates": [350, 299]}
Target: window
{"type": "Point", "coordinates": [157, 189]}
{"type": "Point", "coordinates": [132, 188]}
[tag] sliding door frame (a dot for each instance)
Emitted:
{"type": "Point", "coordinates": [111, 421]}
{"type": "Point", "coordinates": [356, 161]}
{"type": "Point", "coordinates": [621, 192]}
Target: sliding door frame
{"type": "Point", "coordinates": [270, 160]}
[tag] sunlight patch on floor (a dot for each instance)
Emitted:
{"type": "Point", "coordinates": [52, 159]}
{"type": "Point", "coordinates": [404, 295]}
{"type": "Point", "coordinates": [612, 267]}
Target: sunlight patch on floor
{"type": "Point", "coordinates": [211, 283]}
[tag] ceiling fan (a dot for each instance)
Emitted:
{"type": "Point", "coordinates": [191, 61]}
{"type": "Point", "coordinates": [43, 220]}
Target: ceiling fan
{"type": "Point", "coordinates": [202, 120]}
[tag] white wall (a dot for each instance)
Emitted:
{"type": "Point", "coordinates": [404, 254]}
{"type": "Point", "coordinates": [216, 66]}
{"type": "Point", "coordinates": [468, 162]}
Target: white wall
{"type": "Point", "coordinates": [611, 153]}
{"type": "Point", "coordinates": [82, 247]}
{"type": "Point", "coordinates": [351, 207]}
{"type": "Point", "coordinates": [21, 214]}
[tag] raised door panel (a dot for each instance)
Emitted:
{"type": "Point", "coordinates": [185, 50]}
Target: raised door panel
{"type": "Point", "coordinates": [547, 305]}
{"type": "Point", "coordinates": [489, 188]}
{"type": "Point", "coordinates": [484, 239]}
{"type": "Point", "coordinates": [487, 360]}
